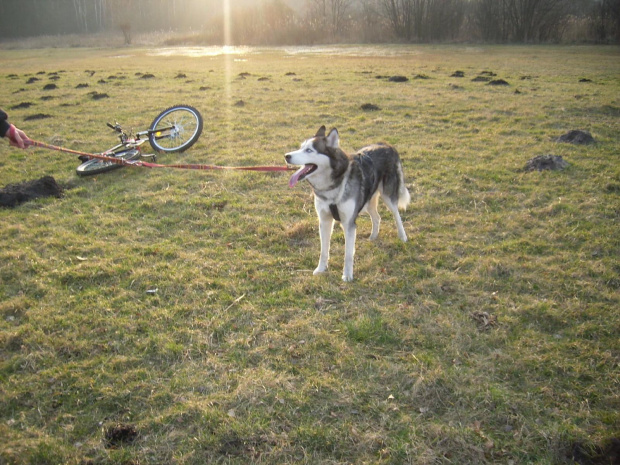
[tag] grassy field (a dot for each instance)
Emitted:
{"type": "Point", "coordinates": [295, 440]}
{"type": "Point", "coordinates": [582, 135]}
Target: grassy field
{"type": "Point", "coordinates": [492, 336]}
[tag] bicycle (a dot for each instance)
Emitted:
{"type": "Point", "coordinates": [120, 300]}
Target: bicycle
{"type": "Point", "coordinates": [174, 130]}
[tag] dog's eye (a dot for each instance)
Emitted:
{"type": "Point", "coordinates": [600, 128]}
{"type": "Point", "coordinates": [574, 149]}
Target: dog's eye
{"type": "Point", "coordinates": [308, 150]}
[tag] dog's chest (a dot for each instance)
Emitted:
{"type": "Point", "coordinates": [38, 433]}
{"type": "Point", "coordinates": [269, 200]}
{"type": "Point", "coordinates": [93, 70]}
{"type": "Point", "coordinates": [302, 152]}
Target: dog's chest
{"type": "Point", "coordinates": [324, 205]}
{"type": "Point", "coordinates": [327, 197]}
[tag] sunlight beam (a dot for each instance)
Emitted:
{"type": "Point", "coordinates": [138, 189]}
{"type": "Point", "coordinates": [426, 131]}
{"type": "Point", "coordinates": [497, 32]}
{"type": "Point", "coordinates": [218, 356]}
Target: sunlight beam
{"type": "Point", "coordinates": [227, 57]}
{"type": "Point", "coordinates": [227, 23]}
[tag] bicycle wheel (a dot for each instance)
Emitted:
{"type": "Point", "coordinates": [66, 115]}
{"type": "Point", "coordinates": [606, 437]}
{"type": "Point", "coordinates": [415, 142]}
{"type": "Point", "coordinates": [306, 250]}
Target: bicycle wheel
{"type": "Point", "coordinates": [176, 129]}
{"type": "Point", "coordinates": [95, 166]}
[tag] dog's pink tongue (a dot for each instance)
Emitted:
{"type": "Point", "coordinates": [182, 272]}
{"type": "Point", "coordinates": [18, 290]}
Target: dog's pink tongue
{"type": "Point", "coordinates": [295, 178]}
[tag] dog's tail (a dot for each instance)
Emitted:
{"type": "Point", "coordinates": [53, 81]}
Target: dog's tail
{"type": "Point", "coordinates": [403, 193]}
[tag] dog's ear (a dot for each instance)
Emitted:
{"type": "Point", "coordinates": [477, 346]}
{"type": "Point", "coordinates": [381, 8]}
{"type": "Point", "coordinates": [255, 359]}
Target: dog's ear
{"type": "Point", "coordinates": [333, 139]}
{"type": "Point", "coordinates": [320, 132]}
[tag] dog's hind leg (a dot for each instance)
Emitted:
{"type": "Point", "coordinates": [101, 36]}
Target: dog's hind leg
{"type": "Point", "coordinates": [393, 207]}
{"type": "Point", "coordinates": [374, 215]}
{"type": "Point", "coordinates": [326, 226]}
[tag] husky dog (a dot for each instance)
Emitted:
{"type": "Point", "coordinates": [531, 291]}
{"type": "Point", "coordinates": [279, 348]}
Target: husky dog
{"type": "Point", "coordinates": [345, 186]}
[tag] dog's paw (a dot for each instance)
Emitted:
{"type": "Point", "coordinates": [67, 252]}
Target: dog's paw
{"type": "Point", "coordinates": [347, 278]}
{"type": "Point", "coordinates": [320, 270]}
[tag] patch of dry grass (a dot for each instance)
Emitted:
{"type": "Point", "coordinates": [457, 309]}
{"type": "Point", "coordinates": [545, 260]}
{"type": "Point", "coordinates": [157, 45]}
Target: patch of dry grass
{"type": "Point", "coordinates": [490, 337]}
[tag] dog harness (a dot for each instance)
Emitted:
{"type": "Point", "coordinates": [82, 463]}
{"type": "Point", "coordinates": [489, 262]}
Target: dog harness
{"type": "Point", "coordinates": [334, 209]}
{"type": "Point", "coordinates": [365, 166]}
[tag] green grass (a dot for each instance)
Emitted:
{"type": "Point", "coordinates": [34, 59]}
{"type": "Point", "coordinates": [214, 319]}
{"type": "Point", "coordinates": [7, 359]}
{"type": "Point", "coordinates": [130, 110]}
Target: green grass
{"type": "Point", "coordinates": [242, 356]}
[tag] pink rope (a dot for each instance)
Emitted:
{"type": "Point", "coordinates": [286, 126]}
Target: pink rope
{"type": "Point", "coordinates": [119, 161]}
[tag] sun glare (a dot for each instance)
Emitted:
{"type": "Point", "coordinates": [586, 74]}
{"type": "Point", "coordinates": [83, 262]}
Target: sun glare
{"type": "Point", "coordinates": [227, 66]}
{"type": "Point", "coordinates": [227, 32]}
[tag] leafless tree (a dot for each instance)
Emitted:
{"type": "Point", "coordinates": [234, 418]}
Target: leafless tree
{"type": "Point", "coordinates": [489, 18]}
{"type": "Point", "coordinates": [278, 21]}
{"type": "Point", "coordinates": [424, 20]}
{"type": "Point", "coordinates": [400, 15]}
{"type": "Point", "coordinates": [519, 20]}
{"type": "Point", "coordinates": [81, 14]}
{"type": "Point", "coordinates": [606, 20]}
{"type": "Point", "coordinates": [329, 15]}
{"type": "Point", "coordinates": [531, 19]}
{"type": "Point", "coordinates": [372, 24]}
{"type": "Point", "coordinates": [281, 21]}
{"type": "Point", "coordinates": [443, 19]}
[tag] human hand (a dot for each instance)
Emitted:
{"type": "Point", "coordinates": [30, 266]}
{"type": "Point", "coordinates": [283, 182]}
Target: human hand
{"type": "Point", "coordinates": [18, 138]}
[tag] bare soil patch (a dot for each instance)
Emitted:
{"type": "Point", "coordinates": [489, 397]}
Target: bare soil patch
{"type": "Point", "coordinates": [577, 137]}
{"type": "Point", "coordinates": [21, 105]}
{"type": "Point", "coordinates": [119, 435]}
{"type": "Point", "coordinates": [546, 162]}
{"type": "Point", "coordinates": [370, 107]}
{"type": "Point", "coordinates": [15, 194]}
{"type": "Point", "coordinates": [498, 82]}
{"type": "Point", "coordinates": [37, 116]}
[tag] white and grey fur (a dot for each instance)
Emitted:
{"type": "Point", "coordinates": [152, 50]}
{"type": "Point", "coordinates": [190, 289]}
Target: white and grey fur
{"type": "Point", "coordinates": [345, 186]}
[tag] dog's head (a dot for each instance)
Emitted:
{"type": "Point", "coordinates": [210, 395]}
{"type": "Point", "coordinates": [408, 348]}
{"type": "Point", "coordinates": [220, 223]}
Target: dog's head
{"type": "Point", "coordinates": [318, 155]}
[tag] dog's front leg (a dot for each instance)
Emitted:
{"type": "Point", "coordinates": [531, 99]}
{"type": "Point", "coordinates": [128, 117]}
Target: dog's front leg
{"type": "Point", "coordinates": [350, 232]}
{"type": "Point", "coordinates": [326, 226]}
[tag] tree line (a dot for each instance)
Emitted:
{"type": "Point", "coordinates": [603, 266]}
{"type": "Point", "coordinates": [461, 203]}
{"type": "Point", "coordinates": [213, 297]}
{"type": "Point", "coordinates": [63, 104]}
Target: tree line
{"type": "Point", "coordinates": [307, 22]}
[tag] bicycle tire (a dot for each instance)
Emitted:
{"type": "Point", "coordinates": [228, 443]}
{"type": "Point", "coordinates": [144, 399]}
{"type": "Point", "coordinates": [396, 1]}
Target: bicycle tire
{"type": "Point", "coordinates": [96, 166]}
{"type": "Point", "coordinates": [188, 124]}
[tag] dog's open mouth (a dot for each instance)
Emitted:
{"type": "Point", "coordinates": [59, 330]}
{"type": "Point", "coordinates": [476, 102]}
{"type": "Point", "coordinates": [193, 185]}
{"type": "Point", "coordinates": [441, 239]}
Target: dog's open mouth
{"type": "Point", "coordinates": [301, 173]}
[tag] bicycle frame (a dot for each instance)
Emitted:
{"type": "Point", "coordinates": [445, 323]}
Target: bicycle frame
{"type": "Point", "coordinates": [127, 144]}
{"type": "Point", "coordinates": [177, 134]}
{"type": "Point", "coordinates": [130, 142]}
{"type": "Point", "coordinates": [134, 142]}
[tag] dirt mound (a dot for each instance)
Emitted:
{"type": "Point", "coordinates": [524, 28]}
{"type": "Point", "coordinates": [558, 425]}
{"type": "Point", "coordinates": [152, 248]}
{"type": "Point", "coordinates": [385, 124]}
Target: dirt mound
{"type": "Point", "coordinates": [546, 162]}
{"type": "Point", "coordinates": [37, 116]}
{"type": "Point", "coordinates": [21, 105]}
{"type": "Point", "coordinates": [577, 137]}
{"type": "Point", "coordinates": [370, 107]}
{"type": "Point", "coordinates": [584, 453]}
{"type": "Point", "coordinates": [498, 82]}
{"type": "Point", "coordinates": [393, 78]}
{"type": "Point", "coordinates": [98, 96]}
{"type": "Point", "coordinates": [119, 435]}
{"type": "Point", "coordinates": [14, 194]}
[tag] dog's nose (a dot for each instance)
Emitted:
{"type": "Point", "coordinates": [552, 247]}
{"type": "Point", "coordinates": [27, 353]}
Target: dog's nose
{"type": "Point", "coordinates": [287, 157]}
